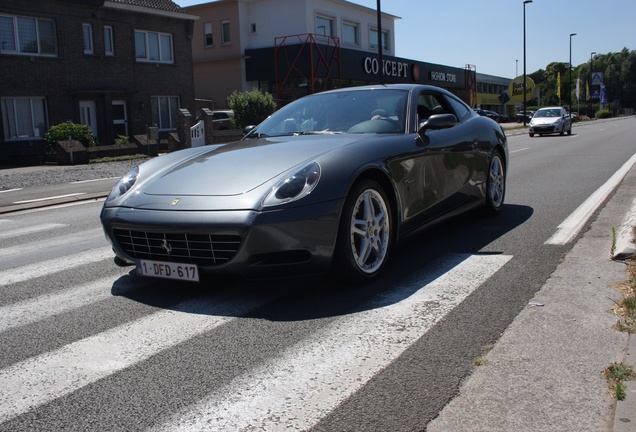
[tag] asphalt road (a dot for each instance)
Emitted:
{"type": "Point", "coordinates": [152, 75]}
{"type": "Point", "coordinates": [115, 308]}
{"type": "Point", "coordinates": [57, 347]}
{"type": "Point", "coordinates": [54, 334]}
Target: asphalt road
{"type": "Point", "coordinates": [89, 346]}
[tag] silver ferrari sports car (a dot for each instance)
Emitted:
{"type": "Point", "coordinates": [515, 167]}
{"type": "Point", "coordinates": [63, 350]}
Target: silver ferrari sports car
{"type": "Point", "coordinates": [330, 181]}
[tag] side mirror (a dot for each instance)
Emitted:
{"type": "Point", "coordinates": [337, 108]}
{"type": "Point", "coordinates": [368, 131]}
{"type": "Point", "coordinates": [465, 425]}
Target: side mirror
{"type": "Point", "coordinates": [438, 121]}
{"type": "Point", "coordinates": [248, 129]}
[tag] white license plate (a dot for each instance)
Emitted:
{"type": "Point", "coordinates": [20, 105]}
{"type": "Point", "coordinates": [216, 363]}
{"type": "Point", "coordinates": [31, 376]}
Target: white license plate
{"type": "Point", "coordinates": [168, 270]}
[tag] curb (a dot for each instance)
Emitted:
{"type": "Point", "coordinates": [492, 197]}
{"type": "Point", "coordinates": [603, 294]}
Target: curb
{"type": "Point", "coordinates": [625, 247]}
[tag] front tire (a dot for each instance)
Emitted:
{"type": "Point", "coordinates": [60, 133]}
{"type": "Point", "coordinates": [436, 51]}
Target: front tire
{"type": "Point", "coordinates": [365, 233]}
{"type": "Point", "coordinates": [495, 184]}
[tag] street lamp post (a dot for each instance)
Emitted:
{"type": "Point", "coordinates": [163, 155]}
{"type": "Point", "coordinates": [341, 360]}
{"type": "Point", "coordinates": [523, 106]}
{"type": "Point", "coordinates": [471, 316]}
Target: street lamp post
{"type": "Point", "coordinates": [524, 59]}
{"type": "Point", "coordinates": [380, 61]}
{"type": "Point", "coordinates": [570, 66]}
{"type": "Point", "coordinates": [589, 97]}
{"type": "Point", "coordinates": [516, 68]}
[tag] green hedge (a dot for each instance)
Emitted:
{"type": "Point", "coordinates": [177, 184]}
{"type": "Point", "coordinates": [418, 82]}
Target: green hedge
{"type": "Point", "coordinates": [65, 130]}
{"type": "Point", "coordinates": [250, 108]}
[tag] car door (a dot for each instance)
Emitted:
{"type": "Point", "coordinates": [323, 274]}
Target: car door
{"type": "Point", "coordinates": [437, 175]}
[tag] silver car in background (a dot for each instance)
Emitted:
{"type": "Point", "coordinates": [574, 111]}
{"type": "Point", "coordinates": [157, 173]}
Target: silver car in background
{"type": "Point", "coordinates": [549, 121]}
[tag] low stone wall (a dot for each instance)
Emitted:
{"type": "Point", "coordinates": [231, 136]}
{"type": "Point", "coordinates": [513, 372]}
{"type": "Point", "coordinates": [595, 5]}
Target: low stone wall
{"type": "Point", "coordinates": [224, 136]}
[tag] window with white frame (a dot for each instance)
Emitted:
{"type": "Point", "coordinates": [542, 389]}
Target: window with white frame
{"type": "Point", "coordinates": [153, 47]}
{"type": "Point", "coordinates": [109, 44]}
{"type": "Point", "coordinates": [324, 25]}
{"type": "Point", "coordinates": [164, 111]}
{"type": "Point", "coordinates": [373, 39]}
{"type": "Point", "coordinates": [208, 34]}
{"type": "Point", "coordinates": [25, 35]}
{"type": "Point", "coordinates": [225, 32]}
{"type": "Point", "coordinates": [24, 118]}
{"type": "Point", "coordinates": [87, 34]}
{"type": "Point", "coordinates": [350, 33]}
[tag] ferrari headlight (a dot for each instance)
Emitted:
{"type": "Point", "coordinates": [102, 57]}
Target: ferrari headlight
{"type": "Point", "coordinates": [294, 187]}
{"type": "Point", "coordinates": [124, 184]}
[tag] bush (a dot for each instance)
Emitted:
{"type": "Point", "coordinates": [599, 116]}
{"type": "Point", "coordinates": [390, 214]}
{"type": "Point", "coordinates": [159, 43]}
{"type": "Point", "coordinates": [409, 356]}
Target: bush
{"type": "Point", "coordinates": [76, 131]}
{"type": "Point", "coordinates": [250, 108]}
{"type": "Point", "coordinates": [603, 114]}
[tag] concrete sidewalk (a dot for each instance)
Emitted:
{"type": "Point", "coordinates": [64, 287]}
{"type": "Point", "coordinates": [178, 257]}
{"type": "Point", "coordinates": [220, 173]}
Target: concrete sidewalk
{"type": "Point", "coordinates": [545, 373]}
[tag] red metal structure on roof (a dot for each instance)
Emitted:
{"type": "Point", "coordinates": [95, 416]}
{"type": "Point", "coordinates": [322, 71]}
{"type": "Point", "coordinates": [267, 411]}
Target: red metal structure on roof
{"type": "Point", "coordinates": [306, 64]}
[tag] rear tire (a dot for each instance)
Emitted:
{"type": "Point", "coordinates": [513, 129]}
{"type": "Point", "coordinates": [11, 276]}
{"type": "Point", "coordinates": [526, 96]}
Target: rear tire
{"type": "Point", "coordinates": [365, 234]}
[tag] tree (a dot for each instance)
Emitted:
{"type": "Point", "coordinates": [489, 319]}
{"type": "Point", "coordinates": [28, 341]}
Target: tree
{"type": "Point", "coordinates": [619, 78]}
{"type": "Point", "coordinates": [250, 108]}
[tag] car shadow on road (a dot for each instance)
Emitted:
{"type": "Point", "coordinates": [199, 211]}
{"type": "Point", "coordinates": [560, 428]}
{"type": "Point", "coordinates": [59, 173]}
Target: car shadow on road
{"type": "Point", "coordinates": [414, 264]}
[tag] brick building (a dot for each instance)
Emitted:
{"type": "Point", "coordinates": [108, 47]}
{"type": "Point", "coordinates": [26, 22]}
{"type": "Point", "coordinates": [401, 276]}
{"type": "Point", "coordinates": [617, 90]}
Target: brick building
{"type": "Point", "coordinates": [117, 66]}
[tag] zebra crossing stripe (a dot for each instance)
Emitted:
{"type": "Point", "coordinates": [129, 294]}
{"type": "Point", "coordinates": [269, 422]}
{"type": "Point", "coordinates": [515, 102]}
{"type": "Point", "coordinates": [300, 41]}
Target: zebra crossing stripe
{"type": "Point", "coordinates": [55, 265]}
{"type": "Point", "coordinates": [78, 239]}
{"type": "Point", "coordinates": [42, 307]}
{"type": "Point", "coordinates": [38, 380]}
{"type": "Point", "coordinates": [30, 230]}
{"type": "Point", "coordinates": [295, 390]}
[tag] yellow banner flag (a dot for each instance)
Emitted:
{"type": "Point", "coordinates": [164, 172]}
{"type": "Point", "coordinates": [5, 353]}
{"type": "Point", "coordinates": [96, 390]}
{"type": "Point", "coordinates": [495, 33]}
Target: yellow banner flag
{"type": "Point", "coordinates": [559, 84]}
{"type": "Point", "coordinates": [587, 90]}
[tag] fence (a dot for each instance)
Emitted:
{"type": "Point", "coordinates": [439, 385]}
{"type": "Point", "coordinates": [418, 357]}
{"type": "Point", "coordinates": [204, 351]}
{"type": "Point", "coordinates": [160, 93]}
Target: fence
{"type": "Point", "coordinates": [197, 134]}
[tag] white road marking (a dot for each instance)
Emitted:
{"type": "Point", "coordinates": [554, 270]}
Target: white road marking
{"type": "Point", "coordinates": [49, 198]}
{"type": "Point", "coordinates": [30, 230]}
{"type": "Point", "coordinates": [55, 265]}
{"type": "Point", "coordinates": [38, 380]}
{"type": "Point", "coordinates": [52, 243]}
{"type": "Point", "coordinates": [307, 381]}
{"type": "Point", "coordinates": [95, 180]}
{"type": "Point", "coordinates": [521, 149]}
{"type": "Point", "coordinates": [10, 190]}
{"type": "Point", "coordinates": [295, 389]}
{"type": "Point", "coordinates": [42, 307]}
{"type": "Point", "coordinates": [571, 226]}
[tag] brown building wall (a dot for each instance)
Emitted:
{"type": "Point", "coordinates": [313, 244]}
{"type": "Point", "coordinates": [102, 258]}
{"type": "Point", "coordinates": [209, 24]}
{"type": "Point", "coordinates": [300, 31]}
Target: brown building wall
{"type": "Point", "coordinates": [71, 75]}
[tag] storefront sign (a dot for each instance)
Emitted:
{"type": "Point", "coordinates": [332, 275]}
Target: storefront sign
{"type": "Point", "coordinates": [515, 89]}
{"type": "Point", "coordinates": [444, 77]}
{"type": "Point", "coordinates": [390, 68]}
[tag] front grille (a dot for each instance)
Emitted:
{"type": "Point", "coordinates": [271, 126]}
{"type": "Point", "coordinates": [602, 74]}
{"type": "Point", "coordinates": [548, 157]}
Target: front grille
{"type": "Point", "coordinates": [546, 128]}
{"type": "Point", "coordinates": [201, 249]}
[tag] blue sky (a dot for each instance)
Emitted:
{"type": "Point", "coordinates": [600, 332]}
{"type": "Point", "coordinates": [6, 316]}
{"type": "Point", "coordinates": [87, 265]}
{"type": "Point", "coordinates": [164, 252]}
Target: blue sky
{"type": "Point", "coordinates": [489, 33]}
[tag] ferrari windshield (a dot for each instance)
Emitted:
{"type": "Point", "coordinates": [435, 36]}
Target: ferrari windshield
{"type": "Point", "coordinates": [363, 111]}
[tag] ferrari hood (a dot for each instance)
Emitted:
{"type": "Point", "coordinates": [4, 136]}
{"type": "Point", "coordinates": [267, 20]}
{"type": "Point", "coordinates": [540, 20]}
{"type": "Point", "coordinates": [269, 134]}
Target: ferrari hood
{"type": "Point", "coordinates": [239, 167]}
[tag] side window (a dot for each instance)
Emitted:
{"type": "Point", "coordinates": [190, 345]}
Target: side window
{"type": "Point", "coordinates": [461, 110]}
{"type": "Point", "coordinates": [429, 104]}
